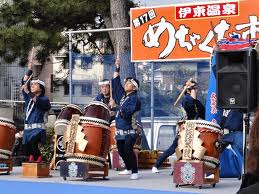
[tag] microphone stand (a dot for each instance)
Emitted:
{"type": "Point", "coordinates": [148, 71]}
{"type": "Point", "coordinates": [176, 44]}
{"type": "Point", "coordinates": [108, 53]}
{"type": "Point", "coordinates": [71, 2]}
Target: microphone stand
{"type": "Point", "coordinates": [246, 126]}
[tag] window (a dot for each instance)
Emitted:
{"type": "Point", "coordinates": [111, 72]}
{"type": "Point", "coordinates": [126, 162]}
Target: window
{"type": "Point", "coordinates": [166, 136]}
{"type": "Point", "coordinates": [86, 62]}
{"type": "Point", "coordinates": [66, 89]}
{"type": "Point", "coordinates": [86, 89]}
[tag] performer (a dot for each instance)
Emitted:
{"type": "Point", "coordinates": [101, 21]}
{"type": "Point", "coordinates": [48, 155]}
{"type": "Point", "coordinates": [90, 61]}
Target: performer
{"type": "Point", "coordinates": [192, 106]}
{"type": "Point", "coordinates": [250, 181]}
{"type": "Point", "coordinates": [193, 110]}
{"type": "Point", "coordinates": [127, 104]}
{"type": "Point", "coordinates": [232, 123]}
{"type": "Point", "coordinates": [36, 105]}
{"type": "Point", "coordinates": [105, 95]}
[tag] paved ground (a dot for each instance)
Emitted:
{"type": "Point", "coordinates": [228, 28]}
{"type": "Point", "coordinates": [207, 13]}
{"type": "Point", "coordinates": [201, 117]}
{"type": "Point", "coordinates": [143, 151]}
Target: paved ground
{"type": "Point", "coordinates": [161, 181]}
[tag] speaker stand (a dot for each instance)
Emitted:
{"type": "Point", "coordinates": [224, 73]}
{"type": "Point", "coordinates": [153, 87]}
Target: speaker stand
{"type": "Point", "coordinates": [246, 123]}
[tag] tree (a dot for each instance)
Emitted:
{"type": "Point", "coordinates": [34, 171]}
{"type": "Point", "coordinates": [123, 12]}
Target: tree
{"type": "Point", "coordinates": [32, 23]}
{"type": "Point", "coordinates": [119, 17]}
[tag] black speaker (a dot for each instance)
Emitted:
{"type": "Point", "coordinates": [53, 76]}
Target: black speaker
{"type": "Point", "coordinates": [236, 75]}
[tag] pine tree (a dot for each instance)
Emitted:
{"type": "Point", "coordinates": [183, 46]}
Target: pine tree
{"type": "Point", "coordinates": [39, 23]}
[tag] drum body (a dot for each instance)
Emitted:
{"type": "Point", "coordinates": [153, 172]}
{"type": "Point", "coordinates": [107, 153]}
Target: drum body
{"type": "Point", "coordinates": [7, 138]}
{"type": "Point", "coordinates": [112, 129]}
{"type": "Point", "coordinates": [94, 132]}
{"type": "Point", "coordinates": [205, 146]}
{"type": "Point", "coordinates": [64, 118]}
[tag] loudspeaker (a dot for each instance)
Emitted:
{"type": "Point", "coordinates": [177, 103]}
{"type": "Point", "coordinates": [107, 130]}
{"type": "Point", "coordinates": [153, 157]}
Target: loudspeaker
{"type": "Point", "coordinates": [236, 79]}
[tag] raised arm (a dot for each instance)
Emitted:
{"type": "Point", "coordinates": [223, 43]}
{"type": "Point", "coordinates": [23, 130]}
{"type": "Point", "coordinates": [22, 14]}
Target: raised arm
{"type": "Point", "coordinates": [191, 87]}
{"type": "Point", "coordinates": [117, 68]}
{"type": "Point", "coordinates": [25, 82]}
{"type": "Point", "coordinates": [117, 88]}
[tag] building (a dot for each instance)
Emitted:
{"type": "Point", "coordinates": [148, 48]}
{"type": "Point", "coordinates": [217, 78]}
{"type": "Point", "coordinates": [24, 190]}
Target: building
{"type": "Point", "coordinates": [88, 70]}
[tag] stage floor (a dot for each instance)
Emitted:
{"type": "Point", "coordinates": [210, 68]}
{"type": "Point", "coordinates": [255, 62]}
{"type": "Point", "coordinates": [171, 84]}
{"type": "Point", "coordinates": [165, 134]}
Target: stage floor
{"type": "Point", "coordinates": [158, 182]}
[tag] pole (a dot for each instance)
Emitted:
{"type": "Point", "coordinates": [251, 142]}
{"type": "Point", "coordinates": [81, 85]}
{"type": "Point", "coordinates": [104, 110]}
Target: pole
{"type": "Point", "coordinates": [152, 106]}
{"type": "Point", "coordinates": [96, 30]}
{"type": "Point", "coordinates": [246, 120]}
{"type": "Point", "coordinates": [70, 67]}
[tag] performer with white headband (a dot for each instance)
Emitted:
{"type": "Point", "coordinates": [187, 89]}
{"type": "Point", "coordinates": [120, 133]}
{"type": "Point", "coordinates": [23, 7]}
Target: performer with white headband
{"type": "Point", "coordinates": [193, 109]}
{"type": "Point", "coordinates": [36, 105]}
{"type": "Point", "coordinates": [127, 104]}
{"type": "Point", "coordinates": [105, 96]}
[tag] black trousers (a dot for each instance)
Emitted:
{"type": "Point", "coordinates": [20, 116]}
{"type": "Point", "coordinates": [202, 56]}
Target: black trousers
{"type": "Point", "coordinates": [167, 153]}
{"type": "Point", "coordinates": [32, 147]}
{"type": "Point", "coordinates": [125, 149]}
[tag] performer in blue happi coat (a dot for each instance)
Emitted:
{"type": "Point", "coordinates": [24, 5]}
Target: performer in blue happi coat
{"type": "Point", "coordinates": [127, 104]}
{"type": "Point", "coordinates": [232, 123]}
{"type": "Point", "coordinates": [104, 95]}
{"type": "Point", "coordinates": [231, 158]}
{"type": "Point", "coordinates": [193, 109]}
{"type": "Point", "coordinates": [36, 106]}
{"type": "Point", "coordinates": [192, 106]}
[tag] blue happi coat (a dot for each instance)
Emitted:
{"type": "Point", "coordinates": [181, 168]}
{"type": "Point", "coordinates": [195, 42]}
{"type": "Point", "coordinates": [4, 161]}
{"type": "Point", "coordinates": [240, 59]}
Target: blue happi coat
{"type": "Point", "coordinates": [101, 98]}
{"type": "Point", "coordinates": [34, 113]}
{"type": "Point", "coordinates": [129, 105]}
{"type": "Point", "coordinates": [193, 107]}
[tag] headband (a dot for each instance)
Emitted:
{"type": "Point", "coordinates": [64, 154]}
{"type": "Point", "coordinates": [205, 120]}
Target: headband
{"type": "Point", "coordinates": [133, 82]}
{"type": "Point", "coordinates": [106, 82]}
{"type": "Point", "coordinates": [38, 82]}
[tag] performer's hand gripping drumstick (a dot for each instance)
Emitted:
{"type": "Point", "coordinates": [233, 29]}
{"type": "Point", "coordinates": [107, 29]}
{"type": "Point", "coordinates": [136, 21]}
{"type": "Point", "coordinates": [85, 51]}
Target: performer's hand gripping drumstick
{"type": "Point", "coordinates": [183, 91]}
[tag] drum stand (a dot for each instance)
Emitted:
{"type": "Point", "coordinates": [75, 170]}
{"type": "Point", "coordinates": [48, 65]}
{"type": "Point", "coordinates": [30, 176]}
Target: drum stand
{"type": "Point", "coordinates": [83, 170]}
{"type": "Point", "coordinates": [191, 173]}
{"type": "Point", "coordinates": [8, 167]}
{"type": "Point", "coordinates": [58, 153]}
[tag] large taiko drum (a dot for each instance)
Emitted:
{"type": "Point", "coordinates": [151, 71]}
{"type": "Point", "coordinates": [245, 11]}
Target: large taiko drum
{"type": "Point", "coordinates": [93, 140]}
{"type": "Point", "coordinates": [202, 137]}
{"type": "Point", "coordinates": [7, 137]}
{"type": "Point", "coordinates": [64, 118]}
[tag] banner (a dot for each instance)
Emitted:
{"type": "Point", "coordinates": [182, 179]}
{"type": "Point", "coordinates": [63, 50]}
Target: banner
{"type": "Point", "coordinates": [212, 113]}
{"type": "Point", "coordinates": [189, 31]}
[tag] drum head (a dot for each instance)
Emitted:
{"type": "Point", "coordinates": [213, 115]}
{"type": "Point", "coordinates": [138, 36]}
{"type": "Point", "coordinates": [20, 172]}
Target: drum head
{"type": "Point", "coordinates": [97, 110]}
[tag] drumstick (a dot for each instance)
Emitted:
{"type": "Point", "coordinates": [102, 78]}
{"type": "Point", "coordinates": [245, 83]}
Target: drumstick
{"type": "Point", "coordinates": [214, 33]}
{"type": "Point", "coordinates": [117, 57]}
{"type": "Point", "coordinates": [182, 93]}
{"type": "Point", "coordinates": [118, 49]}
{"type": "Point", "coordinates": [32, 52]}
{"type": "Point", "coordinates": [28, 80]}
{"type": "Point", "coordinates": [30, 61]}
{"type": "Point", "coordinates": [111, 91]}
